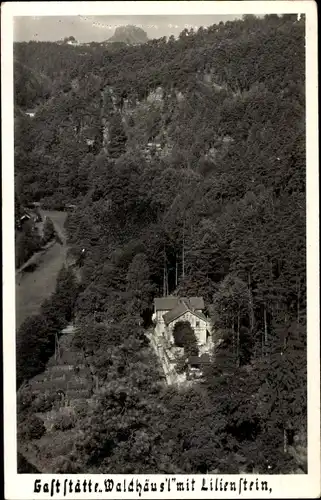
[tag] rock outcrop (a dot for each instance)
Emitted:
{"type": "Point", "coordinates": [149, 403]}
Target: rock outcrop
{"type": "Point", "coordinates": [131, 35]}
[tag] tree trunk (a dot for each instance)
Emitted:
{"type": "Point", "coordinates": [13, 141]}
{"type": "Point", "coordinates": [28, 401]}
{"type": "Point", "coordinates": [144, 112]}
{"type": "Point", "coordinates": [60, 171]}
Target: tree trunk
{"type": "Point", "coordinates": [298, 300]}
{"type": "Point", "coordinates": [238, 339]}
{"type": "Point", "coordinates": [57, 349]}
{"type": "Point", "coordinates": [164, 275]}
{"type": "Point", "coordinates": [255, 348]}
{"type": "Point", "coordinates": [176, 271]}
{"type": "Point", "coordinates": [251, 309]}
{"type": "Point", "coordinates": [183, 251]}
{"type": "Point", "coordinates": [285, 340]}
{"type": "Point", "coordinates": [285, 441]}
{"type": "Point", "coordinates": [265, 327]}
{"type": "Point", "coordinates": [233, 335]}
{"type": "Point", "coordinates": [166, 281]}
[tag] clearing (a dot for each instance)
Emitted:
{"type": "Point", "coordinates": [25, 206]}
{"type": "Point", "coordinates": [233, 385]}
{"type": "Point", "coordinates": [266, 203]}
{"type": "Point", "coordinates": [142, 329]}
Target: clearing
{"type": "Point", "coordinates": [37, 284]}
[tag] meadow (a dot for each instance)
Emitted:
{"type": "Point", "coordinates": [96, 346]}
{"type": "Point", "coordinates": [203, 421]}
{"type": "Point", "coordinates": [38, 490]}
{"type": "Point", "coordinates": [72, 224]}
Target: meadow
{"type": "Point", "coordinates": [37, 284]}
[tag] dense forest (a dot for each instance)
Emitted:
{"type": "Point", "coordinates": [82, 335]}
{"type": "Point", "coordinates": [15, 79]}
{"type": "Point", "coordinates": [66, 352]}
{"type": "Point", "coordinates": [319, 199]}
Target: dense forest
{"type": "Point", "coordinates": [185, 159]}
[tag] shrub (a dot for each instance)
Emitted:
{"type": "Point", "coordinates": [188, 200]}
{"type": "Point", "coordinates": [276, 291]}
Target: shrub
{"type": "Point", "coordinates": [30, 428]}
{"type": "Point", "coordinates": [43, 403]}
{"type": "Point", "coordinates": [64, 465]}
{"type": "Point", "coordinates": [81, 409]}
{"type": "Point", "coordinates": [64, 422]}
{"type": "Point", "coordinates": [48, 230]}
{"type": "Point", "coordinates": [27, 243]}
{"type": "Point", "coordinates": [24, 467]}
{"type": "Point", "coordinates": [181, 365]}
{"type": "Point", "coordinates": [25, 399]}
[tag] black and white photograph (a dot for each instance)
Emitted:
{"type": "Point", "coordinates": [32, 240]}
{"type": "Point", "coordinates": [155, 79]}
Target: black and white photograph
{"type": "Point", "coordinates": [159, 247]}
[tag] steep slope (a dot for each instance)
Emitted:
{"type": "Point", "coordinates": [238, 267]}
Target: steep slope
{"type": "Point", "coordinates": [186, 160]}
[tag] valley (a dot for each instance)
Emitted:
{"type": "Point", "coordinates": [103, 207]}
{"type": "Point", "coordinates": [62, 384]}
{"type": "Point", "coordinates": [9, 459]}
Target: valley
{"type": "Point", "coordinates": [183, 164]}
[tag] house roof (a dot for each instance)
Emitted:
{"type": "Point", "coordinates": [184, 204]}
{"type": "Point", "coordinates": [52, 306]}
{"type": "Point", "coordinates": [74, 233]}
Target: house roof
{"type": "Point", "coordinates": [182, 307]}
{"type": "Point", "coordinates": [165, 303]}
{"type": "Point", "coordinates": [194, 360]}
{"type": "Point", "coordinates": [199, 360]}
{"type": "Point", "coordinates": [200, 315]}
{"type": "Point", "coordinates": [168, 303]}
{"type": "Point", "coordinates": [175, 313]}
{"type": "Point", "coordinates": [25, 216]}
{"type": "Point", "coordinates": [196, 302]}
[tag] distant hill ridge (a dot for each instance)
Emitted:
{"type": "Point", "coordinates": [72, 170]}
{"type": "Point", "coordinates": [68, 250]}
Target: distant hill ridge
{"type": "Point", "coordinates": [129, 34]}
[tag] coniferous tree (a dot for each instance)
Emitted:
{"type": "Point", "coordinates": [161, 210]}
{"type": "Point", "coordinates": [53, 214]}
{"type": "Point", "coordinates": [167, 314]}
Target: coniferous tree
{"type": "Point", "coordinates": [48, 230]}
{"type": "Point", "coordinates": [117, 143]}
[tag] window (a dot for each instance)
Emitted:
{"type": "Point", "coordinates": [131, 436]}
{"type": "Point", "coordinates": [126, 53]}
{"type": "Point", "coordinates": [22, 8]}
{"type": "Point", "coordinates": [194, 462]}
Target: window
{"type": "Point", "coordinates": [197, 324]}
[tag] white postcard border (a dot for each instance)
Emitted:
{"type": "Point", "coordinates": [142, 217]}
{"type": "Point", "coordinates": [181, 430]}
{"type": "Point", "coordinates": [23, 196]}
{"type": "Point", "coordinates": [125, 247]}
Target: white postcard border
{"type": "Point", "coordinates": [21, 486]}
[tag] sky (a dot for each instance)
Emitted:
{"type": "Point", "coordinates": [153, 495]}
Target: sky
{"type": "Point", "coordinates": [100, 28]}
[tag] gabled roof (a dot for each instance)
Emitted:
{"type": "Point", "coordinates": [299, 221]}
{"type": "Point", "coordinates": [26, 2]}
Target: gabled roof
{"type": "Point", "coordinates": [168, 303]}
{"type": "Point", "coordinates": [25, 215]}
{"type": "Point", "coordinates": [175, 313]}
{"type": "Point", "coordinates": [182, 307]}
{"type": "Point", "coordinates": [200, 315]}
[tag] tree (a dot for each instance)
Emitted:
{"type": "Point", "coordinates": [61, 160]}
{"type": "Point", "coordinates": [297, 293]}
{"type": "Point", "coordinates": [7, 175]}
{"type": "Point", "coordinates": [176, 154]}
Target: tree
{"type": "Point", "coordinates": [69, 39]}
{"type": "Point", "coordinates": [32, 347]}
{"type": "Point", "coordinates": [117, 142]}
{"type": "Point", "coordinates": [24, 467]}
{"type": "Point", "coordinates": [139, 283]}
{"type": "Point", "coordinates": [18, 211]}
{"type": "Point", "coordinates": [184, 336]}
{"type": "Point", "coordinates": [52, 314]}
{"type": "Point", "coordinates": [124, 430]}
{"type": "Point", "coordinates": [230, 308]}
{"type": "Point", "coordinates": [48, 230]}
{"type": "Point", "coordinates": [66, 293]}
{"type": "Point", "coordinates": [282, 398]}
{"type": "Point", "coordinates": [27, 243]}
{"type": "Point", "coordinates": [31, 428]}
{"type": "Point", "coordinates": [63, 465]}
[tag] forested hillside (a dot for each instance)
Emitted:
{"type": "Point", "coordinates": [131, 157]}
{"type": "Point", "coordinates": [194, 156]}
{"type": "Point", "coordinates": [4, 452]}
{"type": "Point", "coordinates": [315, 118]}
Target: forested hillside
{"type": "Point", "coordinates": [186, 161]}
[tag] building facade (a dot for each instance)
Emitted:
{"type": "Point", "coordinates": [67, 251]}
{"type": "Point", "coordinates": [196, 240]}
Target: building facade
{"type": "Point", "coordinates": [170, 310]}
{"type": "Point", "coordinates": [197, 322]}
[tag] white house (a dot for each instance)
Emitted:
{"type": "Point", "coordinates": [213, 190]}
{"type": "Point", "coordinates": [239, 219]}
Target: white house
{"type": "Point", "coordinates": [170, 310]}
{"type": "Point", "coordinates": [73, 42]}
